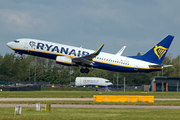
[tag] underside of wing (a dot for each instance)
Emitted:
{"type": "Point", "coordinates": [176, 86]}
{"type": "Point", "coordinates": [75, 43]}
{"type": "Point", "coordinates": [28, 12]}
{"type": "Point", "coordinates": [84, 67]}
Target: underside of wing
{"type": "Point", "coordinates": [87, 60]}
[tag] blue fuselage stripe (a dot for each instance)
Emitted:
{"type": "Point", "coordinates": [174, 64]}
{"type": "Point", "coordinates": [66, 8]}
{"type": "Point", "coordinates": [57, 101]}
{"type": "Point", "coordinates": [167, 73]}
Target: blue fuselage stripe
{"type": "Point", "coordinates": [99, 64]}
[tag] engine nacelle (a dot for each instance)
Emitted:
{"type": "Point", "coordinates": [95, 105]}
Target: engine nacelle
{"type": "Point", "coordinates": [64, 60]}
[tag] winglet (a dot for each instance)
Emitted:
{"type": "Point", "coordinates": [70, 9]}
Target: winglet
{"type": "Point", "coordinates": [121, 51]}
{"type": "Point", "coordinates": [98, 50]}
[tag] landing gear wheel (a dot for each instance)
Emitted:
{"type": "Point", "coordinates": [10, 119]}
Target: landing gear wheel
{"type": "Point", "coordinates": [86, 70]}
{"type": "Point", "coordinates": [82, 70]}
{"type": "Point", "coordinates": [20, 57]}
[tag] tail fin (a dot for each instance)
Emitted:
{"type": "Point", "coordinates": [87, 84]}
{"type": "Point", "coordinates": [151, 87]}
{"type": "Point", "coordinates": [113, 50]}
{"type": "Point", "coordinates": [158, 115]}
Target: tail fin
{"type": "Point", "coordinates": [157, 53]}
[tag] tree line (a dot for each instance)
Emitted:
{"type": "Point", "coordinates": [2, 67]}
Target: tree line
{"type": "Point", "coordinates": [33, 68]}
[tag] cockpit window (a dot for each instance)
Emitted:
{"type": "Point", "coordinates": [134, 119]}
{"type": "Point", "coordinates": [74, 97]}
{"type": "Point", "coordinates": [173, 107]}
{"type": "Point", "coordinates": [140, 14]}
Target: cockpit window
{"type": "Point", "coordinates": [106, 81]}
{"type": "Point", "coordinates": [16, 41]}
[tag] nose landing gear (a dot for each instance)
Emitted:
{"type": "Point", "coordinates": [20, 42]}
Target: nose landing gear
{"type": "Point", "coordinates": [20, 57]}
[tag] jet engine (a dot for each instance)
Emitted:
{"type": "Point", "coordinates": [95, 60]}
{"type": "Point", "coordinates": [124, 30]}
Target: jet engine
{"type": "Point", "coordinates": [64, 60]}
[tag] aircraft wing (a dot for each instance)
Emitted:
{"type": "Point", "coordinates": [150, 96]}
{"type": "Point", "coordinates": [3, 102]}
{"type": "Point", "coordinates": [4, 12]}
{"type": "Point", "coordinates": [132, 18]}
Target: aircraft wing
{"type": "Point", "coordinates": [87, 60]}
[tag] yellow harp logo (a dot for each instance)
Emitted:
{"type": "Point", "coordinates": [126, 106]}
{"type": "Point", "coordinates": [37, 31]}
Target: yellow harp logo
{"type": "Point", "coordinates": [159, 51]}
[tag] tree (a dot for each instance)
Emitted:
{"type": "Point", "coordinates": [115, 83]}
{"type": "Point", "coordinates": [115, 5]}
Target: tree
{"type": "Point", "coordinates": [139, 54]}
{"type": "Point", "coordinates": [14, 69]}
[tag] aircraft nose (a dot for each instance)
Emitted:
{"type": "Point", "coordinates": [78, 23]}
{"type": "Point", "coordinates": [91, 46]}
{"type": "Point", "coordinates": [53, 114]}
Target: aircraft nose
{"type": "Point", "coordinates": [10, 44]}
{"type": "Point", "coordinates": [110, 84]}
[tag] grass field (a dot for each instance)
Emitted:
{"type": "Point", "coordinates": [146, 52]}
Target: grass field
{"type": "Point", "coordinates": [81, 94]}
{"type": "Point", "coordinates": [90, 114]}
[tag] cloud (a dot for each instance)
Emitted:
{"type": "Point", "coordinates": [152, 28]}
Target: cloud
{"type": "Point", "coordinates": [90, 23]}
{"type": "Point", "coordinates": [16, 18]}
{"type": "Point", "coordinates": [20, 22]}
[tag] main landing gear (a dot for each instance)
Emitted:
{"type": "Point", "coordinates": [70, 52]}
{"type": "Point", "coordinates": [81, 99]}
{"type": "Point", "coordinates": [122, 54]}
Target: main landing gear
{"type": "Point", "coordinates": [86, 70]}
{"type": "Point", "coordinates": [21, 57]}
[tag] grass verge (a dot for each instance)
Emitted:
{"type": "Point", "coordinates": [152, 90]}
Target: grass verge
{"type": "Point", "coordinates": [89, 114]}
{"type": "Point", "coordinates": [156, 103]}
{"type": "Point", "coordinates": [81, 94]}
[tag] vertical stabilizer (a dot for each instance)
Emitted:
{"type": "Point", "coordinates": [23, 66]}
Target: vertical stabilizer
{"type": "Point", "coordinates": [157, 53]}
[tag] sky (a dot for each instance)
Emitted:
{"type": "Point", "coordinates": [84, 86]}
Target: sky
{"type": "Point", "coordinates": [137, 24]}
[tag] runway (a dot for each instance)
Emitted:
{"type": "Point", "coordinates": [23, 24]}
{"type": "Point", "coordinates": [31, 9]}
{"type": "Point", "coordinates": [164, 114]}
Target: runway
{"type": "Point", "coordinates": [65, 99]}
{"type": "Point", "coordinates": [46, 99]}
{"type": "Point", "coordinates": [93, 106]}
{"type": "Point", "coordinates": [80, 105]}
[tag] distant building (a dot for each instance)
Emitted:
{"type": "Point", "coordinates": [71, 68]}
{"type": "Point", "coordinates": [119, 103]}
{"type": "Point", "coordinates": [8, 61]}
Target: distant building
{"type": "Point", "coordinates": [165, 84]}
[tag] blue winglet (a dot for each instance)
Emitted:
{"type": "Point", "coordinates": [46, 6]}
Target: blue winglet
{"type": "Point", "coordinates": [98, 50]}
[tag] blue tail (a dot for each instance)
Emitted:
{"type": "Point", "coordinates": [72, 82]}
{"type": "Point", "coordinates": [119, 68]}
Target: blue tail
{"type": "Point", "coordinates": [157, 53]}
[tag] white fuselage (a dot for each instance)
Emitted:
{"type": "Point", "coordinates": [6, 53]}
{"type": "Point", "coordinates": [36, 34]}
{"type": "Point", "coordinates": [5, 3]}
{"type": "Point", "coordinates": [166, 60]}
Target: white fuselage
{"type": "Point", "coordinates": [103, 60]}
{"type": "Point", "coordinates": [92, 81]}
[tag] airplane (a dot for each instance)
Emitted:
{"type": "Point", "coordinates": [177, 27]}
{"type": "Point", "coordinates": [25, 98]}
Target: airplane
{"type": "Point", "coordinates": [78, 56]}
{"type": "Point", "coordinates": [92, 81]}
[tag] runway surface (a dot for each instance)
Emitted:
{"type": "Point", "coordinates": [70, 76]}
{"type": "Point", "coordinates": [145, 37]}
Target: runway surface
{"type": "Point", "coordinates": [61, 99]}
{"type": "Point", "coordinates": [46, 99]}
{"type": "Point", "coordinates": [93, 106]}
{"type": "Point", "coordinates": [80, 105]}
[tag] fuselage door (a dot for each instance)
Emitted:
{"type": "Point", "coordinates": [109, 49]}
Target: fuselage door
{"type": "Point", "coordinates": [26, 44]}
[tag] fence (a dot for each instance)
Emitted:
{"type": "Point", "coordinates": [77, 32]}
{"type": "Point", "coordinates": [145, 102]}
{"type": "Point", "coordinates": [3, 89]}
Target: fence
{"type": "Point", "coordinates": [23, 88]}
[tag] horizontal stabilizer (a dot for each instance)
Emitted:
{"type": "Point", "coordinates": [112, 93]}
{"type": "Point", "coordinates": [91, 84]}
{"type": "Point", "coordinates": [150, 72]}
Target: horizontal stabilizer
{"type": "Point", "coordinates": [159, 66]}
{"type": "Point", "coordinates": [167, 65]}
{"type": "Point", "coordinates": [156, 66]}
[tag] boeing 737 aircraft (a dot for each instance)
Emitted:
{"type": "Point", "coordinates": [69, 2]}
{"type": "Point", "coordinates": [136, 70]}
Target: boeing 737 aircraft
{"type": "Point", "coordinates": [78, 56]}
